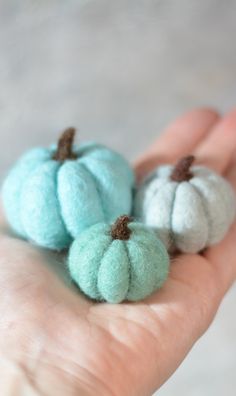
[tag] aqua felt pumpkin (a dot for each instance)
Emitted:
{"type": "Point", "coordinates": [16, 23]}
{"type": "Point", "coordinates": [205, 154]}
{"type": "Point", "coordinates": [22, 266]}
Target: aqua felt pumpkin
{"type": "Point", "coordinates": [53, 194]}
{"type": "Point", "coordinates": [190, 207]}
{"type": "Point", "coordinates": [123, 261]}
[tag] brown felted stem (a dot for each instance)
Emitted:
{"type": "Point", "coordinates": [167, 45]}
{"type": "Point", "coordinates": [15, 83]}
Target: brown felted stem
{"type": "Point", "coordinates": [181, 171]}
{"type": "Point", "coordinates": [120, 229]}
{"type": "Point", "coordinates": [65, 145]}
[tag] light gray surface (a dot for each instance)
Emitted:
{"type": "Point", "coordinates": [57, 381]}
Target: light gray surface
{"type": "Point", "coordinates": [119, 71]}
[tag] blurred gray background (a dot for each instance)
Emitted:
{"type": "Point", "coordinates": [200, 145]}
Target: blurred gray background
{"type": "Point", "coordinates": [120, 71]}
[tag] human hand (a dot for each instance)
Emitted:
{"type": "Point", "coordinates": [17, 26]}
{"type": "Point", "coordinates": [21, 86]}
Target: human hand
{"type": "Point", "coordinates": [54, 341]}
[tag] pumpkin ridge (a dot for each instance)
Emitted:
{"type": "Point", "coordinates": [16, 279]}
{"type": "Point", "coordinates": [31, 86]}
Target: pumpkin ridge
{"type": "Point", "coordinates": [59, 205]}
{"type": "Point", "coordinates": [98, 192]}
{"type": "Point", "coordinates": [171, 232]}
{"type": "Point", "coordinates": [189, 222]}
{"type": "Point", "coordinates": [114, 161]}
{"type": "Point", "coordinates": [196, 189]}
{"type": "Point", "coordinates": [212, 181]}
{"type": "Point", "coordinates": [148, 251]}
{"type": "Point", "coordinates": [103, 254]}
{"type": "Point", "coordinates": [147, 209]}
{"type": "Point", "coordinates": [20, 196]}
{"type": "Point", "coordinates": [86, 234]}
{"type": "Point", "coordinates": [79, 199]}
{"type": "Point", "coordinates": [47, 170]}
{"type": "Point", "coordinates": [155, 193]}
{"type": "Point", "coordinates": [154, 241]}
{"type": "Point", "coordinates": [116, 173]}
{"type": "Point", "coordinates": [130, 265]}
{"type": "Point", "coordinates": [101, 260]}
{"type": "Point", "coordinates": [146, 184]}
{"type": "Point", "coordinates": [231, 217]}
{"type": "Point", "coordinates": [105, 250]}
{"type": "Point", "coordinates": [155, 174]}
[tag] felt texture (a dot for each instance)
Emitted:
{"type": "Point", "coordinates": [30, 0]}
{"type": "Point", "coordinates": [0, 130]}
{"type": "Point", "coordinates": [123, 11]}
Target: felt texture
{"type": "Point", "coordinates": [40, 209]}
{"type": "Point", "coordinates": [114, 270]}
{"type": "Point", "coordinates": [11, 190]}
{"type": "Point", "coordinates": [84, 200]}
{"type": "Point", "coordinates": [188, 216]}
{"type": "Point", "coordinates": [51, 202]}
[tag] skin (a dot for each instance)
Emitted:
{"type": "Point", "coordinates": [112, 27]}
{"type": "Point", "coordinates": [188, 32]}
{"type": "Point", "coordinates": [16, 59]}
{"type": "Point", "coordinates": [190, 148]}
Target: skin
{"type": "Point", "coordinates": [56, 342]}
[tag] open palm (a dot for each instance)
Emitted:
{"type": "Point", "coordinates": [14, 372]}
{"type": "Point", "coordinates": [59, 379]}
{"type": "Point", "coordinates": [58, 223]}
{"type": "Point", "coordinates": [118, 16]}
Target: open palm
{"type": "Point", "coordinates": [54, 341]}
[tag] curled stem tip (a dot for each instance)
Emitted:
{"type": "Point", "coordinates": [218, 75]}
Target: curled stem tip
{"type": "Point", "coordinates": [65, 146]}
{"type": "Point", "coordinates": [181, 171]}
{"type": "Point", "coordinates": [120, 229]}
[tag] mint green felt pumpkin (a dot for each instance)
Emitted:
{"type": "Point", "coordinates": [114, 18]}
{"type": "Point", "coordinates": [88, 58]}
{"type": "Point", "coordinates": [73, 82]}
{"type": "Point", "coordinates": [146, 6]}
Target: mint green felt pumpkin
{"type": "Point", "coordinates": [125, 261]}
{"type": "Point", "coordinates": [53, 194]}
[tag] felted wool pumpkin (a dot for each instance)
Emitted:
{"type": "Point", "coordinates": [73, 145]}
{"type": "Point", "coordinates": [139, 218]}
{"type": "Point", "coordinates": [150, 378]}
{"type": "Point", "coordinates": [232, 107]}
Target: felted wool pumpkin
{"type": "Point", "coordinates": [53, 194]}
{"type": "Point", "coordinates": [125, 261]}
{"type": "Point", "coordinates": [190, 207]}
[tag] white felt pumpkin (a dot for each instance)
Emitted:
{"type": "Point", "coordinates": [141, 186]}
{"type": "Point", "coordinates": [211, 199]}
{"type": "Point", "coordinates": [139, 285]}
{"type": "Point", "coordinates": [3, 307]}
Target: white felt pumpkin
{"type": "Point", "coordinates": [190, 207]}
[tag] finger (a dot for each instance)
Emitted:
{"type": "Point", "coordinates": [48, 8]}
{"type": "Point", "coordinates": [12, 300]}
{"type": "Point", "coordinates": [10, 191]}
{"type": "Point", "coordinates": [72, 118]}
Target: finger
{"type": "Point", "coordinates": [222, 258]}
{"type": "Point", "coordinates": [196, 286]}
{"type": "Point", "coordinates": [194, 289]}
{"type": "Point", "coordinates": [184, 307]}
{"type": "Point", "coordinates": [179, 139]}
{"type": "Point", "coordinates": [230, 173]}
{"type": "Point", "coordinates": [217, 149]}
{"type": "Point", "coordinates": [222, 255]}
{"type": "Point", "coordinates": [4, 226]}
